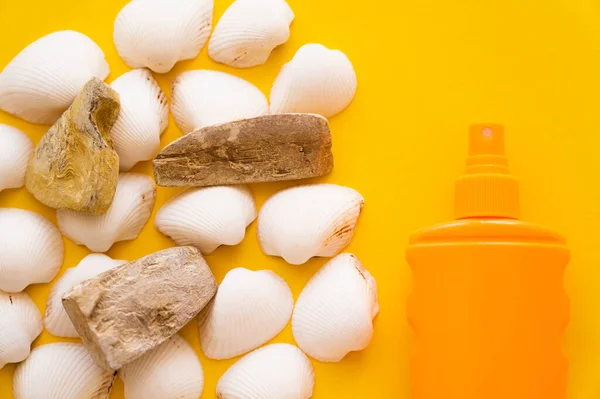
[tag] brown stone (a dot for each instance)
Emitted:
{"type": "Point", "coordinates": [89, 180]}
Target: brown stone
{"type": "Point", "coordinates": [262, 149]}
{"type": "Point", "coordinates": [75, 165]}
{"type": "Point", "coordinates": [131, 309]}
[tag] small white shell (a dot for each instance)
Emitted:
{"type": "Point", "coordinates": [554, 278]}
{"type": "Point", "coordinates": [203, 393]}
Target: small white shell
{"type": "Point", "coordinates": [249, 309]}
{"type": "Point", "coordinates": [334, 313]}
{"type": "Point", "coordinates": [42, 81]}
{"type": "Point", "coordinates": [129, 212]}
{"type": "Point", "coordinates": [278, 371]}
{"type": "Point", "coordinates": [207, 217]}
{"type": "Point", "coordinates": [249, 30]}
{"type": "Point", "coordinates": [169, 371]}
{"type": "Point", "coordinates": [61, 371]}
{"type": "Point", "coordinates": [143, 118]}
{"type": "Point", "coordinates": [159, 33]}
{"type": "Point", "coordinates": [20, 324]}
{"type": "Point", "coordinates": [31, 249]}
{"type": "Point", "coordinates": [15, 151]}
{"type": "Point", "coordinates": [202, 98]}
{"type": "Point", "coordinates": [56, 320]}
{"type": "Point", "coordinates": [317, 80]}
{"type": "Point", "coordinates": [305, 221]}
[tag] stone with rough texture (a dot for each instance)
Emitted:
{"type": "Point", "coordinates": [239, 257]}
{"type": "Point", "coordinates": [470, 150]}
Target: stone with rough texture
{"type": "Point", "coordinates": [262, 149]}
{"type": "Point", "coordinates": [75, 165]}
{"type": "Point", "coordinates": [133, 308]}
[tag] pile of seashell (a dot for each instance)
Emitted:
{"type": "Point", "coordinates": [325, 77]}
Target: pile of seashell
{"type": "Point", "coordinates": [333, 314]}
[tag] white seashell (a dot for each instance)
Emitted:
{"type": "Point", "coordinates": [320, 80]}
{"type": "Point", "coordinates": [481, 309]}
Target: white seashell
{"type": "Point", "coordinates": [31, 249]}
{"type": "Point", "coordinates": [15, 151]}
{"type": "Point", "coordinates": [334, 313]}
{"type": "Point", "coordinates": [249, 30]}
{"type": "Point", "coordinates": [56, 320]}
{"type": "Point", "coordinates": [202, 98]}
{"type": "Point", "coordinates": [249, 309]}
{"type": "Point", "coordinates": [207, 217]}
{"type": "Point", "coordinates": [317, 80]}
{"type": "Point", "coordinates": [61, 371]}
{"type": "Point", "coordinates": [169, 371]}
{"type": "Point", "coordinates": [159, 33]}
{"type": "Point", "coordinates": [20, 324]}
{"type": "Point", "coordinates": [278, 371]}
{"type": "Point", "coordinates": [129, 212]}
{"type": "Point", "coordinates": [143, 118]}
{"type": "Point", "coordinates": [306, 221]}
{"type": "Point", "coordinates": [42, 81]}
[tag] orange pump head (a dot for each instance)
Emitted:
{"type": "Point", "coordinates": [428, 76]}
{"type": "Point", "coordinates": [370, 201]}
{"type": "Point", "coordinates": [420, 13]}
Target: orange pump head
{"type": "Point", "coordinates": [487, 190]}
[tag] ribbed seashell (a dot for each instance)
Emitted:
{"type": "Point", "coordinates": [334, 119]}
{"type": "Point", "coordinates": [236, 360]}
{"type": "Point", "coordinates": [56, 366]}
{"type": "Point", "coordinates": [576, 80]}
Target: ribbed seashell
{"type": "Point", "coordinates": [249, 309]}
{"type": "Point", "coordinates": [334, 313]}
{"type": "Point", "coordinates": [207, 217]}
{"type": "Point", "coordinates": [202, 98]}
{"type": "Point", "coordinates": [20, 324]}
{"type": "Point", "coordinates": [31, 249]}
{"type": "Point", "coordinates": [42, 81]}
{"type": "Point", "coordinates": [317, 80]}
{"type": "Point", "coordinates": [15, 151]}
{"type": "Point", "coordinates": [249, 30]}
{"type": "Point", "coordinates": [143, 118]}
{"type": "Point", "coordinates": [56, 320]}
{"type": "Point", "coordinates": [169, 371]}
{"type": "Point", "coordinates": [61, 371]}
{"type": "Point", "coordinates": [129, 212]}
{"type": "Point", "coordinates": [305, 221]}
{"type": "Point", "coordinates": [278, 371]}
{"type": "Point", "coordinates": [159, 33]}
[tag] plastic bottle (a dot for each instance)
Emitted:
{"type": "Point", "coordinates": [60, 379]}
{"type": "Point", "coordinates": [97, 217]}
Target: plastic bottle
{"type": "Point", "coordinates": [488, 307]}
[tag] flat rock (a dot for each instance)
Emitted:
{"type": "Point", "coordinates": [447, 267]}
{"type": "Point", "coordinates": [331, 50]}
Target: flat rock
{"type": "Point", "coordinates": [75, 165]}
{"type": "Point", "coordinates": [262, 149]}
{"type": "Point", "coordinates": [133, 308]}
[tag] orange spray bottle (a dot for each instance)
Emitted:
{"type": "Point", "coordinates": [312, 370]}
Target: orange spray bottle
{"type": "Point", "coordinates": [488, 307]}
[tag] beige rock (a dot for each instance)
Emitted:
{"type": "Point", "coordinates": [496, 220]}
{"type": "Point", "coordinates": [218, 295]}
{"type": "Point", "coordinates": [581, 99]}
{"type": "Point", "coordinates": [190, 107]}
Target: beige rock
{"type": "Point", "coordinates": [75, 165]}
{"type": "Point", "coordinates": [131, 309]}
{"type": "Point", "coordinates": [262, 149]}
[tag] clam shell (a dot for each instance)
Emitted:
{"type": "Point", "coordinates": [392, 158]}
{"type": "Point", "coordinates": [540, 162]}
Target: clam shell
{"type": "Point", "coordinates": [129, 212]}
{"type": "Point", "coordinates": [143, 118]}
{"type": "Point", "coordinates": [249, 309]}
{"type": "Point", "coordinates": [15, 151]}
{"type": "Point", "coordinates": [202, 97]}
{"type": "Point", "coordinates": [249, 30]}
{"type": "Point", "coordinates": [42, 81]}
{"type": "Point", "coordinates": [31, 249]}
{"type": "Point", "coordinates": [305, 221]}
{"type": "Point", "coordinates": [207, 217]}
{"type": "Point", "coordinates": [333, 315]}
{"type": "Point", "coordinates": [317, 80]}
{"type": "Point", "coordinates": [20, 324]}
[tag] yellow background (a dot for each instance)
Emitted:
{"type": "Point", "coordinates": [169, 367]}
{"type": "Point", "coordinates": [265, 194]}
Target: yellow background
{"type": "Point", "coordinates": [426, 69]}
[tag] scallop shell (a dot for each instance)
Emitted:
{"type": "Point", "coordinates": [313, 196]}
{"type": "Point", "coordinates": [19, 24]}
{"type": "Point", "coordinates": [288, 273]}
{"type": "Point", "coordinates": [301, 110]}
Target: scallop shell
{"type": "Point", "coordinates": [143, 118]}
{"type": "Point", "coordinates": [306, 221]}
{"type": "Point", "coordinates": [56, 320]}
{"type": "Point", "coordinates": [249, 30]}
{"type": "Point", "coordinates": [15, 151]}
{"type": "Point", "coordinates": [20, 324]}
{"type": "Point", "coordinates": [169, 371]}
{"type": "Point", "coordinates": [31, 249]}
{"type": "Point", "coordinates": [159, 33]}
{"type": "Point", "coordinates": [249, 309]}
{"type": "Point", "coordinates": [208, 217]}
{"type": "Point", "coordinates": [129, 212]}
{"type": "Point", "coordinates": [202, 97]}
{"type": "Point", "coordinates": [334, 313]}
{"type": "Point", "coordinates": [317, 80]}
{"type": "Point", "coordinates": [61, 371]}
{"type": "Point", "coordinates": [42, 81]}
{"type": "Point", "coordinates": [278, 371]}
